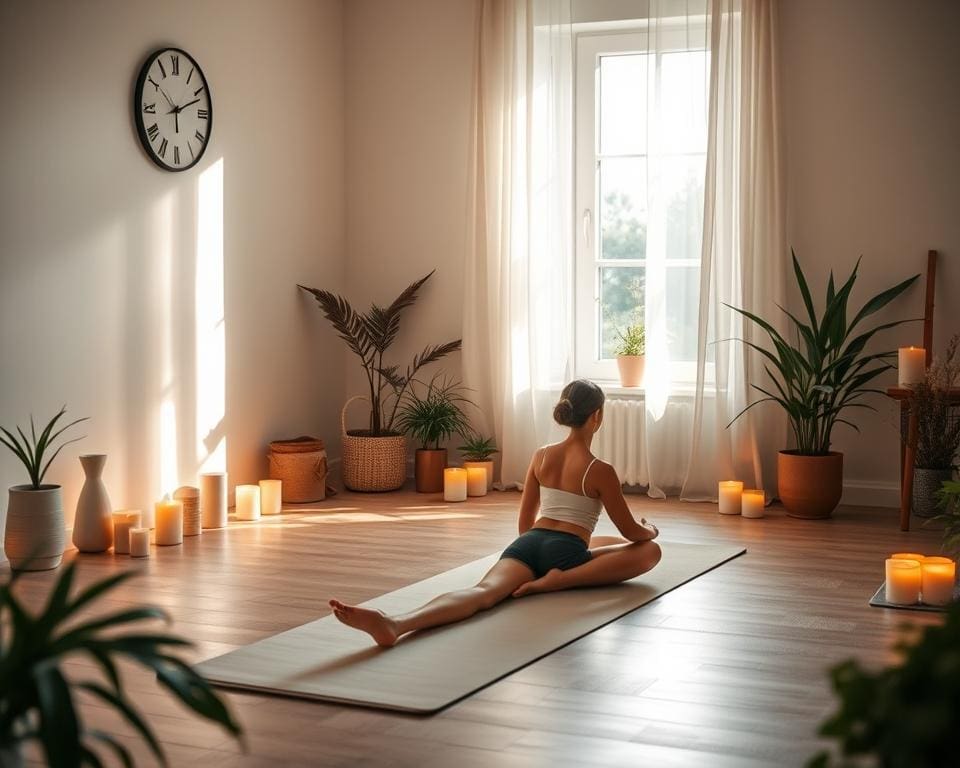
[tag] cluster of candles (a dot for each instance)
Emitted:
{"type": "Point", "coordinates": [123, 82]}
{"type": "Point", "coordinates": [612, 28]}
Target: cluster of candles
{"type": "Point", "coordinates": [913, 579]}
{"type": "Point", "coordinates": [735, 500]}
{"type": "Point", "coordinates": [190, 511]}
{"type": "Point", "coordinates": [460, 482]}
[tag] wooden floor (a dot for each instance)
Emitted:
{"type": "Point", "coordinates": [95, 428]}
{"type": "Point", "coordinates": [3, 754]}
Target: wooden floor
{"type": "Point", "coordinates": [728, 670]}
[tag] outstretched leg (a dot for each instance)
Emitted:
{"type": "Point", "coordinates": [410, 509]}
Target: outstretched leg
{"type": "Point", "coordinates": [609, 564]}
{"type": "Point", "coordinates": [499, 583]}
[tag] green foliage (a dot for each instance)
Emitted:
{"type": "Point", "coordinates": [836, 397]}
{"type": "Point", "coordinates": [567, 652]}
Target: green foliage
{"type": "Point", "coordinates": [33, 450]}
{"type": "Point", "coordinates": [826, 371]}
{"type": "Point", "coordinates": [37, 702]}
{"type": "Point", "coordinates": [632, 341]}
{"type": "Point", "coordinates": [369, 336]}
{"type": "Point", "coordinates": [436, 415]}
{"type": "Point", "coordinates": [478, 448]}
{"type": "Point", "coordinates": [949, 501]}
{"type": "Point", "coordinates": [905, 716]}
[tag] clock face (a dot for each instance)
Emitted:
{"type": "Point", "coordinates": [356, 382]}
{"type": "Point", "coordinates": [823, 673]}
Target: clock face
{"type": "Point", "coordinates": [173, 109]}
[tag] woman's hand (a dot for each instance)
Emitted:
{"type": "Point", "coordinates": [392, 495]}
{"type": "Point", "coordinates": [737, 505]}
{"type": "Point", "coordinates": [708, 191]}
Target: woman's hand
{"type": "Point", "coordinates": [650, 527]}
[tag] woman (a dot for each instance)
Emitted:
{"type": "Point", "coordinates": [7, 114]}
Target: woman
{"type": "Point", "coordinates": [555, 550]}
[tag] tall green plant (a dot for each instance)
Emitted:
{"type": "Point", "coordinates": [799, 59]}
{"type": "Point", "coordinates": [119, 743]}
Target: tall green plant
{"type": "Point", "coordinates": [826, 371]}
{"type": "Point", "coordinates": [436, 415]}
{"type": "Point", "coordinates": [369, 335]}
{"type": "Point", "coordinates": [38, 702]}
{"type": "Point", "coordinates": [33, 450]}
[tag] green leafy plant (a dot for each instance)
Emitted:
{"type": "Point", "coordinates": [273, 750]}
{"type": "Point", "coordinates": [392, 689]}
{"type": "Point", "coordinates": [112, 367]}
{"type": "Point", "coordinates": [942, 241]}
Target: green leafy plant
{"type": "Point", "coordinates": [827, 370]}
{"type": "Point", "coordinates": [37, 702]}
{"type": "Point", "coordinates": [948, 498]}
{"type": "Point", "coordinates": [632, 340]}
{"type": "Point", "coordinates": [369, 336]}
{"type": "Point", "coordinates": [478, 448]}
{"type": "Point", "coordinates": [436, 415]}
{"type": "Point", "coordinates": [904, 716]}
{"type": "Point", "coordinates": [33, 450]}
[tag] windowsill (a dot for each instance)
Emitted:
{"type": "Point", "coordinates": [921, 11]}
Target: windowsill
{"type": "Point", "coordinates": [612, 388]}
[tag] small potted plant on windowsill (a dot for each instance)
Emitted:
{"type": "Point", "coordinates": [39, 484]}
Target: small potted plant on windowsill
{"type": "Point", "coordinates": [630, 349]}
{"type": "Point", "coordinates": [477, 452]}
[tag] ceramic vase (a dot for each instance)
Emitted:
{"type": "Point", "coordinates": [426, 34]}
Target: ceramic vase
{"type": "Point", "coordinates": [35, 535]}
{"type": "Point", "coordinates": [93, 525]}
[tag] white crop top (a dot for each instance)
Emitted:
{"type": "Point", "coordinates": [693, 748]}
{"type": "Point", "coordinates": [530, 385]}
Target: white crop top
{"type": "Point", "coordinates": [569, 507]}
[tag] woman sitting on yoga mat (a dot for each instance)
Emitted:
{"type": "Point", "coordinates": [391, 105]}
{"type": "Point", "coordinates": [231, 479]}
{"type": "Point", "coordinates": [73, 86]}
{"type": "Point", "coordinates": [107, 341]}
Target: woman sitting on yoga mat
{"type": "Point", "coordinates": [555, 551]}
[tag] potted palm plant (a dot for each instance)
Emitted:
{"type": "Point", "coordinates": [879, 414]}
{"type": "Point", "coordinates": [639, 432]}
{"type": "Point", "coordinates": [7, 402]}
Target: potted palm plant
{"type": "Point", "coordinates": [37, 698]}
{"type": "Point", "coordinates": [477, 451]}
{"type": "Point", "coordinates": [432, 418]}
{"type": "Point", "coordinates": [374, 459]}
{"type": "Point", "coordinates": [35, 534]}
{"type": "Point", "coordinates": [630, 349]}
{"type": "Point", "coordinates": [816, 381]}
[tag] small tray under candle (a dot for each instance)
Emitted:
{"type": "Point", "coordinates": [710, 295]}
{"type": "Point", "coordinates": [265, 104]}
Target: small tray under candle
{"type": "Point", "coordinates": [879, 600]}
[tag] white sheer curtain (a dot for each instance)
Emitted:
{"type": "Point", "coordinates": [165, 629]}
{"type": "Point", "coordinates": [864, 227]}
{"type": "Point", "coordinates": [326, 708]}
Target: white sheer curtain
{"type": "Point", "coordinates": [517, 308]}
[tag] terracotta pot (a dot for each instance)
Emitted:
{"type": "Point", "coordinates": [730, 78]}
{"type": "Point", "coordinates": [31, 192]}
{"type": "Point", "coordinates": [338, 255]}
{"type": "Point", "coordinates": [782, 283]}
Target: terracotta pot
{"type": "Point", "coordinates": [35, 535]}
{"type": "Point", "coordinates": [428, 467]}
{"type": "Point", "coordinates": [810, 487]}
{"type": "Point", "coordinates": [631, 369]}
{"type": "Point", "coordinates": [487, 465]}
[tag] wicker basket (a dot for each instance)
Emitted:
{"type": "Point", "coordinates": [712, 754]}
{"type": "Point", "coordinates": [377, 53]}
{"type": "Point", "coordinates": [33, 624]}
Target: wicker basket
{"type": "Point", "coordinates": [372, 463]}
{"type": "Point", "coordinates": [301, 467]}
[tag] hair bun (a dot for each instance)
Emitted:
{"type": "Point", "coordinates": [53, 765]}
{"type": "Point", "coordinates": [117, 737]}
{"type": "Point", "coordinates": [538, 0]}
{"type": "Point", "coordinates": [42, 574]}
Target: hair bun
{"type": "Point", "coordinates": [563, 412]}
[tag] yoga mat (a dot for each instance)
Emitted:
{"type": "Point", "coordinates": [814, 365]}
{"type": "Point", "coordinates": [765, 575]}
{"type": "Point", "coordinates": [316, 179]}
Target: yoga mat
{"type": "Point", "coordinates": [428, 671]}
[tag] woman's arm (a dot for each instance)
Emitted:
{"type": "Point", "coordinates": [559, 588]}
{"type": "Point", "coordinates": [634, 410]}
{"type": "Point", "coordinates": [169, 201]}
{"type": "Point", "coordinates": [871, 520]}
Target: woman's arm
{"type": "Point", "coordinates": [604, 478]}
{"type": "Point", "coordinates": [530, 501]}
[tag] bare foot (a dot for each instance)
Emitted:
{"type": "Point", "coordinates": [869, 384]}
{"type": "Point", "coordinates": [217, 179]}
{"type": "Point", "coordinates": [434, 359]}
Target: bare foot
{"type": "Point", "coordinates": [380, 627]}
{"type": "Point", "coordinates": [549, 582]}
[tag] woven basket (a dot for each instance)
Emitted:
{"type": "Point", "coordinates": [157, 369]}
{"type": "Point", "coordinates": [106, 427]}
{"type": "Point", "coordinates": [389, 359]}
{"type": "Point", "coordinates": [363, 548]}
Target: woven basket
{"type": "Point", "coordinates": [301, 467]}
{"type": "Point", "coordinates": [372, 463]}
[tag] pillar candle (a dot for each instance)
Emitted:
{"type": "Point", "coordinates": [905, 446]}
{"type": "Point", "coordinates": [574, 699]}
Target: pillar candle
{"type": "Point", "coordinates": [271, 495]}
{"type": "Point", "coordinates": [213, 499]}
{"type": "Point", "coordinates": [938, 577]}
{"type": "Point", "coordinates": [911, 365]}
{"type": "Point", "coordinates": [903, 581]}
{"type": "Point", "coordinates": [907, 556]}
{"type": "Point", "coordinates": [476, 481]}
{"type": "Point", "coordinates": [752, 503]}
{"type": "Point", "coordinates": [139, 542]}
{"type": "Point", "coordinates": [455, 484]}
{"type": "Point", "coordinates": [730, 492]}
{"type": "Point", "coordinates": [248, 502]}
{"type": "Point", "coordinates": [190, 497]}
{"type": "Point", "coordinates": [123, 521]}
{"type": "Point", "coordinates": [169, 522]}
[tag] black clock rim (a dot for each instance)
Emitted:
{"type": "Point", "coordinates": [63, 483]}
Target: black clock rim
{"type": "Point", "coordinates": [138, 115]}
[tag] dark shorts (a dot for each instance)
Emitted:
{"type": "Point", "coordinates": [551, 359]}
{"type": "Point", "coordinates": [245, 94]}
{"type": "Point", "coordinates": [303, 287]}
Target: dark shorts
{"type": "Point", "coordinates": [542, 550]}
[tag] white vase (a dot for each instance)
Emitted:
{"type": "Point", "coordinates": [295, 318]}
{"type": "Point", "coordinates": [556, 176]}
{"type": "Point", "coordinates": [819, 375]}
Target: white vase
{"type": "Point", "coordinates": [487, 465]}
{"type": "Point", "coordinates": [35, 536]}
{"type": "Point", "coordinates": [93, 525]}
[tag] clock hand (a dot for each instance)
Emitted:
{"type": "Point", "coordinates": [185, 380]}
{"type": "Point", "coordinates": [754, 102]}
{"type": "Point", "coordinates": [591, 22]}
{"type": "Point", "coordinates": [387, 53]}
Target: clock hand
{"type": "Point", "coordinates": [180, 109]}
{"type": "Point", "coordinates": [174, 106]}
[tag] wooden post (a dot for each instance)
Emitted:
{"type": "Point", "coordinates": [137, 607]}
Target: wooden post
{"type": "Point", "coordinates": [928, 305]}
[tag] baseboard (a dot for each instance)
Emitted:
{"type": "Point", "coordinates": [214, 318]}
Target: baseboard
{"type": "Point", "coordinates": [861, 493]}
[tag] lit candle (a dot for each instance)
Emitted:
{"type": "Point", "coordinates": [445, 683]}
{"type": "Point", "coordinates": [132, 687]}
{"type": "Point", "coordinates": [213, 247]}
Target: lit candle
{"type": "Point", "coordinates": [476, 481]}
{"type": "Point", "coordinates": [248, 502]}
{"type": "Point", "coordinates": [190, 497]}
{"type": "Point", "coordinates": [730, 492]}
{"type": "Point", "coordinates": [911, 365]}
{"type": "Point", "coordinates": [213, 499]}
{"type": "Point", "coordinates": [169, 522]}
{"type": "Point", "coordinates": [139, 542]}
{"type": "Point", "coordinates": [752, 503]}
{"type": "Point", "coordinates": [907, 556]}
{"type": "Point", "coordinates": [939, 576]}
{"type": "Point", "coordinates": [123, 521]}
{"type": "Point", "coordinates": [455, 484]}
{"type": "Point", "coordinates": [903, 581]}
{"type": "Point", "coordinates": [271, 497]}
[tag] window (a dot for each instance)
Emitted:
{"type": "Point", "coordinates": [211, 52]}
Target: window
{"type": "Point", "coordinates": [641, 149]}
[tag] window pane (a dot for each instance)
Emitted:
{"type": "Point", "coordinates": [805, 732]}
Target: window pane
{"type": "Point", "coordinates": [623, 104]}
{"type": "Point", "coordinates": [682, 184]}
{"type": "Point", "coordinates": [683, 101]}
{"type": "Point", "coordinates": [621, 303]}
{"type": "Point", "coordinates": [683, 307]}
{"type": "Point", "coordinates": [623, 208]}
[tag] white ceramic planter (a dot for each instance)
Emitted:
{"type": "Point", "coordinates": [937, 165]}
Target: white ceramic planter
{"type": "Point", "coordinates": [35, 534]}
{"type": "Point", "coordinates": [487, 465]}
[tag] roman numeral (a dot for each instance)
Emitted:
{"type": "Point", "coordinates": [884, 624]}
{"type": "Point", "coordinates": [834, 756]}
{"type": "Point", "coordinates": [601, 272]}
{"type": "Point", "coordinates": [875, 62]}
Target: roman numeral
{"type": "Point", "coordinates": [198, 136]}
{"type": "Point", "coordinates": [163, 149]}
{"type": "Point", "coordinates": [175, 63]}
{"type": "Point", "coordinates": [149, 109]}
{"type": "Point", "coordinates": [190, 75]}
{"type": "Point", "coordinates": [176, 154]}
{"type": "Point", "coordinates": [190, 147]}
{"type": "Point", "coordinates": [203, 114]}
{"type": "Point", "coordinates": [155, 86]}
{"type": "Point", "coordinates": [162, 70]}
{"type": "Point", "coordinates": [198, 91]}
{"type": "Point", "coordinates": [153, 132]}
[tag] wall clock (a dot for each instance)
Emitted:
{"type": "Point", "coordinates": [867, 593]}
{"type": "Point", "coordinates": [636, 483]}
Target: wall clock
{"type": "Point", "coordinates": [173, 109]}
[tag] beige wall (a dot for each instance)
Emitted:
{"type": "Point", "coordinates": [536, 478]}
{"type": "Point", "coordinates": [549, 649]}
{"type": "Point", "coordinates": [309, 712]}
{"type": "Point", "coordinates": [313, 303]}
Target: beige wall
{"type": "Point", "coordinates": [872, 118]}
{"type": "Point", "coordinates": [99, 248]}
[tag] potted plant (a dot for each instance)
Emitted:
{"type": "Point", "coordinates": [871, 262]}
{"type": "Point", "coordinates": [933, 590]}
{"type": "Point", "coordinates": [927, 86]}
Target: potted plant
{"type": "Point", "coordinates": [816, 380]}
{"type": "Point", "coordinates": [433, 418]}
{"type": "Point", "coordinates": [477, 452]}
{"type": "Point", "coordinates": [630, 349]}
{"type": "Point", "coordinates": [37, 698]}
{"type": "Point", "coordinates": [938, 430]}
{"type": "Point", "coordinates": [35, 535]}
{"type": "Point", "coordinates": [375, 459]}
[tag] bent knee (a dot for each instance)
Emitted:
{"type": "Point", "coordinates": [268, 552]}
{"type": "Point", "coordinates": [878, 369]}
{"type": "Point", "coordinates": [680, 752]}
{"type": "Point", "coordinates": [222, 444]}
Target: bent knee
{"type": "Point", "coordinates": [486, 598]}
{"type": "Point", "coordinates": [647, 555]}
